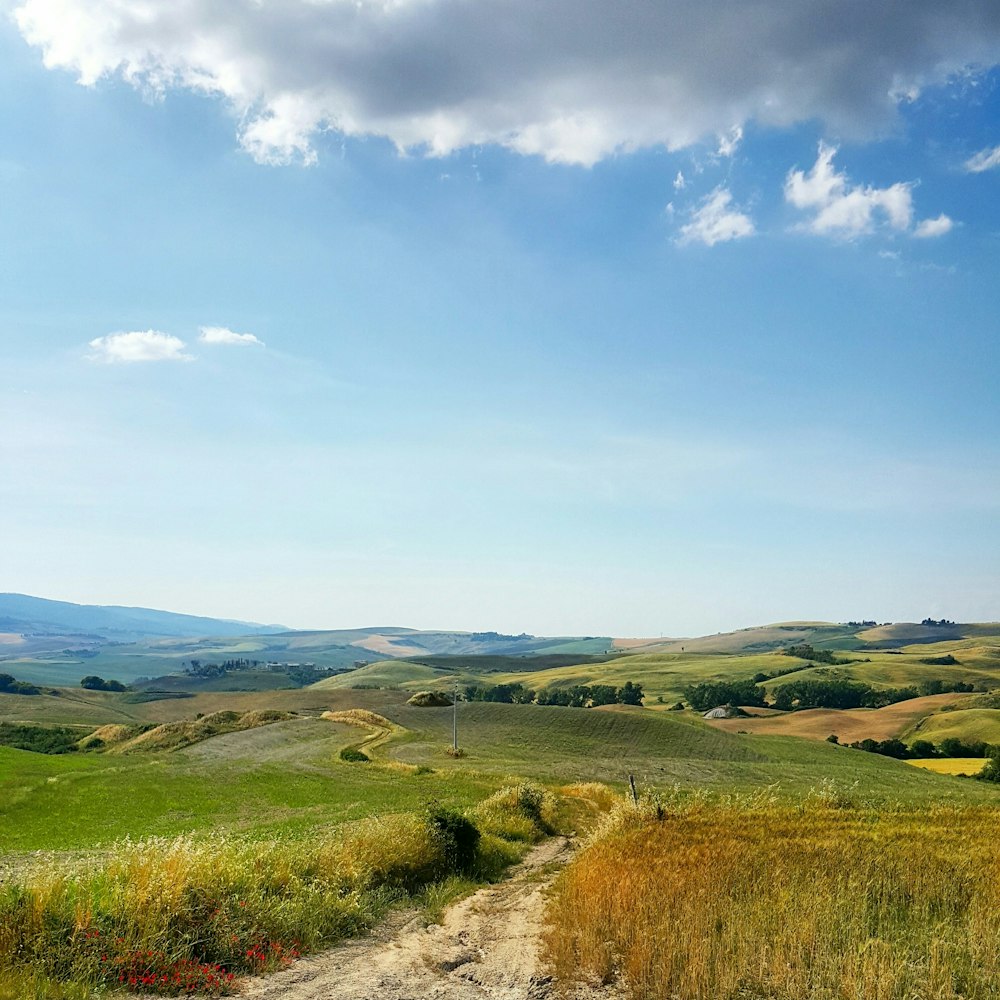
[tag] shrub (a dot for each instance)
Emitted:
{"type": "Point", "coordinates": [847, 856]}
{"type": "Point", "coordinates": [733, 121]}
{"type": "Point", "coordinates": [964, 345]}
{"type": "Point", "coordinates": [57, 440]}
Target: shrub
{"type": "Point", "coordinates": [354, 756]}
{"type": "Point", "coordinates": [459, 838]}
{"type": "Point", "coordinates": [39, 739]}
{"type": "Point", "coordinates": [518, 812]}
{"type": "Point", "coordinates": [429, 699]}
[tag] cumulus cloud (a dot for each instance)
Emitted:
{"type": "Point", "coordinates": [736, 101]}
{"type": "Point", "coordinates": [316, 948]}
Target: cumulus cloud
{"type": "Point", "coordinates": [844, 210]}
{"type": "Point", "coordinates": [985, 159]}
{"type": "Point", "coordinates": [929, 228]}
{"type": "Point", "coordinates": [137, 345]}
{"type": "Point", "coordinates": [716, 221]}
{"type": "Point", "coordinates": [568, 80]}
{"type": "Point", "coordinates": [221, 335]}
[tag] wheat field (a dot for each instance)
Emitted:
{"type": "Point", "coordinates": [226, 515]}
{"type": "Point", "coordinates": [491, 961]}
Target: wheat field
{"type": "Point", "coordinates": [828, 900]}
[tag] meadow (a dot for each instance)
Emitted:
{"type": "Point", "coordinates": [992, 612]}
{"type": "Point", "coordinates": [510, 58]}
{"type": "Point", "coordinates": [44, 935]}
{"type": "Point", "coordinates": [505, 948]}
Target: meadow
{"type": "Point", "coordinates": [192, 915]}
{"type": "Point", "coordinates": [739, 816]}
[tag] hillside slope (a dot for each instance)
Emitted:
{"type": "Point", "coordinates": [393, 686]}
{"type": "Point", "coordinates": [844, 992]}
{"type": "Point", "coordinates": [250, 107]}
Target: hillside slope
{"type": "Point", "coordinates": [20, 613]}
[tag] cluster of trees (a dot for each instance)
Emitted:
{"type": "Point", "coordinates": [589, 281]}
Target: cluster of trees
{"type": "Point", "coordinates": [810, 693]}
{"type": "Point", "coordinates": [95, 683]}
{"type": "Point", "coordinates": [865, 624]}
{"type": "Point", "coordinates": [935, 685]}
{"type": "Point", "coordinates": [577, 696]}
{"type": "Point", "coordinates": [941, 661]}
{"type": "Point", "coordinates": [803, 651]}
{"type": "Point", "coordinates": [710, 694]}
{"type": "Point", "coordinates": [498, 637]}
{"type": "Point", "coordinates": [924, 749]}
{"type": "Point", "coordinates": [834, 693]}
{"type": "Point", "coordinates": [9, 685]}
{"type": "Point", "coordinates": [208, 670]}
{"type": "Point", "coordinates": [937, 623]}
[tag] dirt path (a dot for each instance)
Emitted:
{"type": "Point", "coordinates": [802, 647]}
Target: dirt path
{"type": "Point", "coordinates": [486, 948]}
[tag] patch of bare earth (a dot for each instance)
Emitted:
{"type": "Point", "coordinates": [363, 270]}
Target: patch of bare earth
{"type": "Point", "coordinates": [487, 947]}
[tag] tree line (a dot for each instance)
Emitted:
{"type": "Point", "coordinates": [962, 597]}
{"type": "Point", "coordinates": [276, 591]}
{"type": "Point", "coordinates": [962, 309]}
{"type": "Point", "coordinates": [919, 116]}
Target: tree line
{"type": "Point", "coordinates": [10, 685]}
{"type": "Point", "coordinates": [949, 747]}
{"type": "Point", "coordinates": [577, 696]}
{"type": "Point", "coordinates": [810, 693]}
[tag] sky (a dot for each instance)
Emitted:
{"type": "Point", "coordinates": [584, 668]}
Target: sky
{"type": "Point", "coordinates": [568, 318]}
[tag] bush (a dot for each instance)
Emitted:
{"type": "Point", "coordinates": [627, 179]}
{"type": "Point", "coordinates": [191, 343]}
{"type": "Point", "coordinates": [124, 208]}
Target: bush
{"type": "Point", "coordinates": [430, 699]}
{"type": "Point", "coordinates": [459, 838]}
{"type": "Point", "coordinates": [39, 739]}
{"type": "Point", "coordinates": [354, 756]}
{"type": "Point", "coordinates": [518, 812]}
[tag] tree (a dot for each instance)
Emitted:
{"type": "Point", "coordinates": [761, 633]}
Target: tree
{"type": "Point", "coordinates": [630, 694]}
{"type": "Point", "coordinates": [94, 683]}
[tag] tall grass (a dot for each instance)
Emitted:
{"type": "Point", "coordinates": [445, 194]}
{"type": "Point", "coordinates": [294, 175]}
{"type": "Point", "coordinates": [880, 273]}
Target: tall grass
{"type": "Point", "coordinates": [191, 915]}
{"type": "Point", "coordinates": [827, 900]}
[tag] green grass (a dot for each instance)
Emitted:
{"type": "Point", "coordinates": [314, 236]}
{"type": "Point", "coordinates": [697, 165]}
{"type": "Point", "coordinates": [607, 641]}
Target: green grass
{"type": "Point", "coordinates": [562, 745]}
{"type": "Point", "coordinates": [387, 674]}
{"type": "Point", "coordinates": [966, 724]}
{"type": "Point", "coordinates": [284, 780]}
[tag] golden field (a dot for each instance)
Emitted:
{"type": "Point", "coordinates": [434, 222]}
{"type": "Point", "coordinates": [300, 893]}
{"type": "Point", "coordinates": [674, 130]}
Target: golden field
{"type": "Point", "coordinates": [751, 899]}
{"type": "Point", "coordinates": [951, 765]}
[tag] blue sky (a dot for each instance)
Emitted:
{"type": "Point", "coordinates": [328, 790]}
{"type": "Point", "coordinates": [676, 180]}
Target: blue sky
{"type": "Point", "coordinates": [435, 319]}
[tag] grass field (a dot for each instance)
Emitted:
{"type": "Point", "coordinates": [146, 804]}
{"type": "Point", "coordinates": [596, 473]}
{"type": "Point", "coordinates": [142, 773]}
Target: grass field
{"type": "Point", "coordinates": [284, 777]}
{"type": "Point", "coordinates": [974, 723]}
{"type": "Point", "coordinates": [754, 899]}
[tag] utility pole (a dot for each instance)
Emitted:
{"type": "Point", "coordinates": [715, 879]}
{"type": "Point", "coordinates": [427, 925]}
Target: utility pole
{"type": "Point", "coordinates": [454, 720]}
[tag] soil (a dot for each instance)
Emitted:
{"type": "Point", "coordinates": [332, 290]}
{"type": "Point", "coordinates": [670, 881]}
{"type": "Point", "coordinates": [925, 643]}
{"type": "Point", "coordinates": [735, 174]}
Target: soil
{"type": "Point", "coordinates": [487, 947]}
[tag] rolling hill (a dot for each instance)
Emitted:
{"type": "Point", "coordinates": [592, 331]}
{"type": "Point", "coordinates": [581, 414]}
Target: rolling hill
{"type": "Point", "coordinates": [39, 617]}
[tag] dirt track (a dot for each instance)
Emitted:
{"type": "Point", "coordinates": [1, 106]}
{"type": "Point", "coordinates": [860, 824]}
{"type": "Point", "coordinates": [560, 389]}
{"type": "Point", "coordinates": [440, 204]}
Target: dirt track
{"type": "Point", "coordinates": [486, 948]}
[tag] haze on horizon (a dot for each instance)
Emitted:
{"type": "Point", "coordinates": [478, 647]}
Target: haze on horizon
{"type": "Point", "coordinates": [625, 320]}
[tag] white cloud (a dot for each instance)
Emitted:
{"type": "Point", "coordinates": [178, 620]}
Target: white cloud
{"type": "Point", "coordinates": [224, 336]}
{"type": "Point", "coordinates": [841, 209]}
{"type": "Point", "coordinates": [679, 182]}
{"type": "Point", "coordinates": [714, 221]}
{"type": "Point", "coordinates": [568, 81]}
{"type": "Point", "coordinates": [929, 228]}
{"type": "Point", "coordinates": [730, 142]}
{"type": "Point", "coordinates": [138, 345]}
{"type": "Point", "coordinates": [985, 159]}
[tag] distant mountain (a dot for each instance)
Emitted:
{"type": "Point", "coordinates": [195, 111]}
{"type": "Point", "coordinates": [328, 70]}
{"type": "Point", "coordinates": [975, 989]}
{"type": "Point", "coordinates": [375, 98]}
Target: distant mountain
{"type": "Point", "coordinates": [37, 616]}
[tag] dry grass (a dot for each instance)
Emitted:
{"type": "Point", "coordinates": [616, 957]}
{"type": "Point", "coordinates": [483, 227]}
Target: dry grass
{"type": "Point", "coordinates": [174, 735]}
{"type": "Point", "coordinates": [524, 812]}
{"type": "Point", "coordinates": [107, 735]}
{"type": "Point", "coordinates": [359, 717]}
{"type": "Point", "coordinates": [752, 899]}
{"type": "Point", "coordinates": [203, 912]}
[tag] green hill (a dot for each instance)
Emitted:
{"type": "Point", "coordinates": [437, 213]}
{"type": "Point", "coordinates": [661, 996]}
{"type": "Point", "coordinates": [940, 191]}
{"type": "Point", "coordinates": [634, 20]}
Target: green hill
{"type": "Point", "coordinates": [966, 724]}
